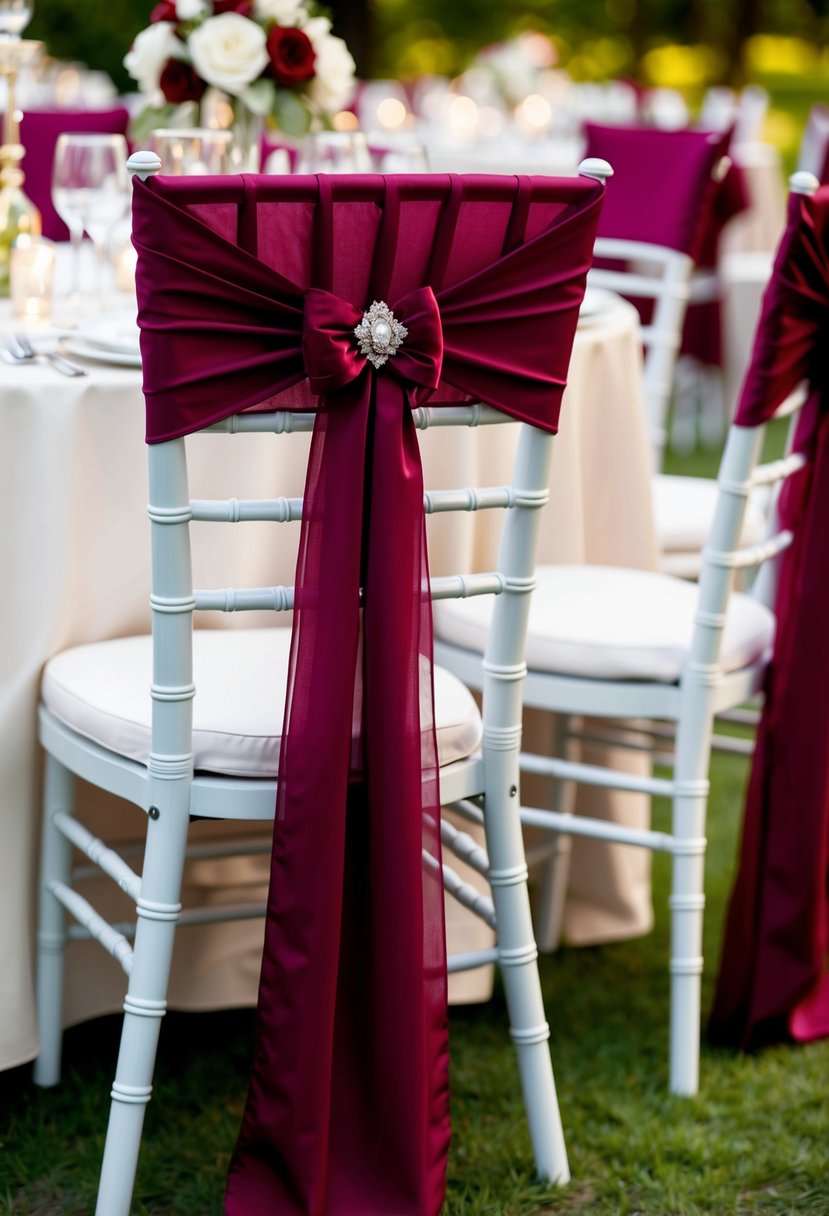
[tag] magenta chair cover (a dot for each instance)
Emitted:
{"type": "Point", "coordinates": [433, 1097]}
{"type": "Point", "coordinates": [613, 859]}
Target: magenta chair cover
{"type": "Point", "coordinates": [664, 192]}
{"type": "Point", "coordinates": [773, 979]}
{"type": "Point", "coordinates": [39, 131]}
{"type": "Point", "coordinates": [249, 293]}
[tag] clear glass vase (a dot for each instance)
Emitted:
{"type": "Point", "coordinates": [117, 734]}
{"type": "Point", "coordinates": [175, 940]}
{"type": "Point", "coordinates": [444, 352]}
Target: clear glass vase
{"type": "Point", "coordinates": [219, 111]}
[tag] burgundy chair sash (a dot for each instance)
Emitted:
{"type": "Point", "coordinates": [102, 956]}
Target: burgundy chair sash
{"type": "Point", "coordinates": [347, 1112]}
{"type": "Point", "coordinates": [773, 979]}
{"type": "Point", "coordinates": [665, 192]}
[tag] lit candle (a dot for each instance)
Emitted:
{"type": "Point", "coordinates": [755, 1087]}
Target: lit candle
{"type": "Point", "coordinates": [125, 263]}
{"type": "Point", "coordinates": [32, 271]}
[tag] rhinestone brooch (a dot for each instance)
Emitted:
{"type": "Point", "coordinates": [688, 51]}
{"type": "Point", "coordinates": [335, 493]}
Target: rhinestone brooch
{"type": "Point", "coordinates": [379, 334]}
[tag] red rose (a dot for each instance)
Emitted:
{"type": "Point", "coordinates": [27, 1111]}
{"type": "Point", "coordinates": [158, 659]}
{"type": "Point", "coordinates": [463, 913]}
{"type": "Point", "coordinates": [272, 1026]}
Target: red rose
{"type": "Point", "coordinates": [179, 82]}
{"type": "Point", "coordinates": [165, 11]}
{"type": "Point", "coordinates": [233, 6]}
{"type": "Point", "coordinates": [292, 55]}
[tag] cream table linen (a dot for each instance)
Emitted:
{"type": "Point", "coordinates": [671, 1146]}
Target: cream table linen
{"type": "Point", "coordinates": [76, 560]}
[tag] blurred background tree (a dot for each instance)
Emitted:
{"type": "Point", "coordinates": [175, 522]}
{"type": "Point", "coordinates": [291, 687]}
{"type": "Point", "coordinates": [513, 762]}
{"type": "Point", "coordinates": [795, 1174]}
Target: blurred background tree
{"type": "Point", "coordinates": [686, 44]}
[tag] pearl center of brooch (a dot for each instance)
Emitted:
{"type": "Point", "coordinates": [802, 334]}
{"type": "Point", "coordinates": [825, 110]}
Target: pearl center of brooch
{"type": "Point", "coordinates": [379, 334]}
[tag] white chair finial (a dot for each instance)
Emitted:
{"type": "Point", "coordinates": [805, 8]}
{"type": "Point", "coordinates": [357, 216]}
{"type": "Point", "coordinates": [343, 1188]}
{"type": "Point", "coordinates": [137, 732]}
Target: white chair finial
{"type": "Point", "coordinates": [593, 166]}
{"type": "Point", "coordinates": [143, 164]}
{"type": "Point", "coordinates": [803, 182]}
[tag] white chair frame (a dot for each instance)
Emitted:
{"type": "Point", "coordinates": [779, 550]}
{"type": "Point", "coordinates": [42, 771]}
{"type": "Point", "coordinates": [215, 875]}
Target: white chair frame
{"type": "Point", "coordinates": [483, 788]}
{"type": "Point", "coordinates": [703, 691]}
{"type": "Point", "coordinates": [651, 272]}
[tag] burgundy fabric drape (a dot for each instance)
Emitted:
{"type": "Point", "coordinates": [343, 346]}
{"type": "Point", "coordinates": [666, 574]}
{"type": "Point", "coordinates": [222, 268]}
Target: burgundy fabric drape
{"type": "Point", "coordinates": [249, 293]}
{"type": "Point", "coordinates": [773, 980]}
{"type": "Point", "coordinates": [665, 192]}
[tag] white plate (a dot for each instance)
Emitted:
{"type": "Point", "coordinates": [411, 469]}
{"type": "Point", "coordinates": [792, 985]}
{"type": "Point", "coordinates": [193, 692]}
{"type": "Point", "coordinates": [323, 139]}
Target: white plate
{"type": "Point", "coordinates": [119, 334]}
{"type": "Point", "coordinates": [85, 350]}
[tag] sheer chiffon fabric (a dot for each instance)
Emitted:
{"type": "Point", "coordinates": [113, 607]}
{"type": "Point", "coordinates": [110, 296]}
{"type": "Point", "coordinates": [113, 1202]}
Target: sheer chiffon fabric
{"type": "Point", "coordinates": [773, 981]}
{"type": "Point", "coordinates": [665, 191]}
{"type": "Point", "coordinates": [249, 292]}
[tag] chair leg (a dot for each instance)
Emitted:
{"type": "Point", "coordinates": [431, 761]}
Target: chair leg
{"type": "Point", "coordinates": [158, 910]}
{"type": "Point", "coordinates": [687, 904]}
{"type": "Point", "coordinates": [555, 869]}
{"type": "Point", "coordinates": [518, 956]}
{"type": "Point", "coordinates": [55, 866]}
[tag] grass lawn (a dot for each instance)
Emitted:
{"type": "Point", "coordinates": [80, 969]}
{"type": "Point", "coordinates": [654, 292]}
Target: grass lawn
{"type": "Point", "coordinates": [754, 1140]}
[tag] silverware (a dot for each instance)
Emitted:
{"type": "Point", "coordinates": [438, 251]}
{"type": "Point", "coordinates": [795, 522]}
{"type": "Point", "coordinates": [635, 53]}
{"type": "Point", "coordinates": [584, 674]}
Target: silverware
{"type": "Point", "coordinates": [22, 351]}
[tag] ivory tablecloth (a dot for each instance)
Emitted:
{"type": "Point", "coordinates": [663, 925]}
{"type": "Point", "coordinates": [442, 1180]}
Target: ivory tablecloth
{"type": "Point", "coordinates": [75, 552]}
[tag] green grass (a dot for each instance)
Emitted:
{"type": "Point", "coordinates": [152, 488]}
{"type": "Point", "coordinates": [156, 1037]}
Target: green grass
{"type": "Point", "coordinates": [753, 1141]}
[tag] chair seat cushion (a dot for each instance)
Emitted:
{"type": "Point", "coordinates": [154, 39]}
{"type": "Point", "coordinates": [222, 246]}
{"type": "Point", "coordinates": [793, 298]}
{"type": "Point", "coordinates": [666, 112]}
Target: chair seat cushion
{"type": "Point", "coordinates": [102, 691]}
{"type": "Point", "coordinates": [683, 509]}
{"type": "Point", "coordinates": [607, 622]}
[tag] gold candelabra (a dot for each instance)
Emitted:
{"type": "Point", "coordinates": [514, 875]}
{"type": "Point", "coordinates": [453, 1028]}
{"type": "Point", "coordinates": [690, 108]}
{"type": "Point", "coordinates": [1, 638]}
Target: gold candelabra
{"type": "Point", "coordinates": [18, 214]}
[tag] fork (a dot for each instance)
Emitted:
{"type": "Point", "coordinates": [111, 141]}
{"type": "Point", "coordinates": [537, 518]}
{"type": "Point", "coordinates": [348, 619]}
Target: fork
{"type": "Point", "coordinates": [22, 351]}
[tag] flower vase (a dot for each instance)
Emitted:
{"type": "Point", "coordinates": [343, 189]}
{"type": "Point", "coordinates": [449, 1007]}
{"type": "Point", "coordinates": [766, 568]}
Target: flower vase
{"type": "Point", "coordinates": [218, 111]}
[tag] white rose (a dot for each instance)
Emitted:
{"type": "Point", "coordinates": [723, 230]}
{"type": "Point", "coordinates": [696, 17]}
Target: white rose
{"type": "Point", "coordinates": [229, 51]}
{"type": "Point", "coordinates": [283, 12]}
{"type": "Point", "coordinates": [150, 51]}
{"type": "Point", "coordinates": [317, 30]}
{"type": "Point", "coordinates": [187, 10]}
{"type": "Point", "coordinates": [333, 84]}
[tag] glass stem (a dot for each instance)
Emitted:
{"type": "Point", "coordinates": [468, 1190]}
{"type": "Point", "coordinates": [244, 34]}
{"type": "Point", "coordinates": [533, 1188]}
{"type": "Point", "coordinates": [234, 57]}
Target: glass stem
{"type": "Point", "coordinates": [76, 244]}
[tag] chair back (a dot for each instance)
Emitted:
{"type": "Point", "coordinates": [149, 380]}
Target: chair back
{"type": "Point", "coordinates": [364, 307]}
{"type": "Point", "coordinates": [657, 279]}
{"type": "Point", "coordinates": [813, 156]}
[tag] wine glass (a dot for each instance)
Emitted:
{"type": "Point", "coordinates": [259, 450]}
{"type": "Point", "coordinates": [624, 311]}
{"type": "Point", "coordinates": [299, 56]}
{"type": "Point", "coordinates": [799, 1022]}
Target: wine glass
{"type": "Point", "coordinates": [15, 15]}
{"type": "Point", "coordinates": [89, 191]}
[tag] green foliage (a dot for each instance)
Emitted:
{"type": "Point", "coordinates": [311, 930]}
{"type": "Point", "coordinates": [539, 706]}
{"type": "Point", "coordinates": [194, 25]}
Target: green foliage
{"type": "Point", "coordinates": [96, 32]}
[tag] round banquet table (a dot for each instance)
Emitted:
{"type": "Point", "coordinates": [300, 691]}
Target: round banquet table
{"type": "Point", "coordinates": [76, 553]}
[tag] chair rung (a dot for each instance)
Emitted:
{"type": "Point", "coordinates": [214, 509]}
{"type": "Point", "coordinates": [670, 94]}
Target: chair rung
{"type": "Point", "coordinates": [593, 774]}
{"type": "Point", "coordinates": [458, 415]}
{"type": "Point", "coordinates": [751, 555]}
{"type": "Point", "coordinates": [733, 746]}
{"type": "Point", "coordinates": [280, 422]}
{"type": "Point", "coordinates": [476, 903]}
{"type": "Point", "coordinates": [598, 829]}
{"type": "Point", "coordinates": [104, 933]}
{"type": "Point", "coordinates": [222, 912]}
{"type": "Point", "coordinates": [469, 499]}
{"type": "Point", "coordinates": [269, 599]}
{"type": "Point", "coordinates": [465, 848]}
{"type": "Point", "coordinates": [463, 586]}
{"type": "Point", "coordinates": [741, 717]}
{"type": "Point", "coordinates": [468, 810]}
{"type": "Point", "coordinates": [104, 858]}
{"type": "Point", "coordinates": [777, 470]}
{"type": "Point", "coordinates": [471, 959]}
{"type": "Point", "coordinates": [235, 510]}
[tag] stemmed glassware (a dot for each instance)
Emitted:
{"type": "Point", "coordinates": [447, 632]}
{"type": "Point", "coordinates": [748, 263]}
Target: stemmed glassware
{"type": "Point", "coordinates": [89, 192]}
{"type": "Point", "coordinates": [15, 15]}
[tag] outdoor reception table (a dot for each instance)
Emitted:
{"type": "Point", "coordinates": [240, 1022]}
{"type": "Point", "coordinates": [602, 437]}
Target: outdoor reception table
{"type": "Point", "coordinates": [75, 551]}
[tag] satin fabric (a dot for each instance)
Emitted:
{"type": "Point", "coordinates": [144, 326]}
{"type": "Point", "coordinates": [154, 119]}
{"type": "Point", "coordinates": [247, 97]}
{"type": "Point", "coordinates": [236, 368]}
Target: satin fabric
{"type": "Point", "coordinates": [347, 1112]}
{"type": "Point", "coordinates": [773, 981]}
{"type": "Point", "coordinates": [665, 191]}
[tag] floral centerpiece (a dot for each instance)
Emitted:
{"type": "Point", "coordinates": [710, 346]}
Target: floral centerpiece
{"type": "Point", "coordinates": [274, 58]}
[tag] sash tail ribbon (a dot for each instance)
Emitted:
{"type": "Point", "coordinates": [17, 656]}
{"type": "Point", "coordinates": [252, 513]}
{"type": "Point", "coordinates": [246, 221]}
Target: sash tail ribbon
{"type": "Point", "coordinates": [352, 1006]}
{"type": "Point", "coordinates": [774, 973]}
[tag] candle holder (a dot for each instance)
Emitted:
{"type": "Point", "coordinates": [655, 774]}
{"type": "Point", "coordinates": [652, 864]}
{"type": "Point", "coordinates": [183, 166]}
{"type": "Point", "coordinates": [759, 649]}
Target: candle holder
{"type": "Point", "coordinates": [18, 214]}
